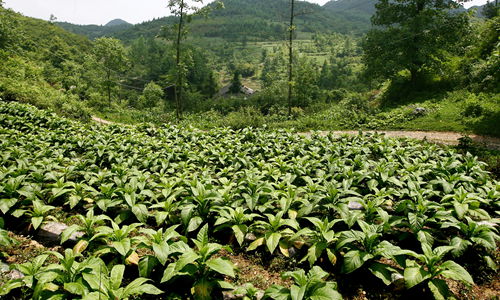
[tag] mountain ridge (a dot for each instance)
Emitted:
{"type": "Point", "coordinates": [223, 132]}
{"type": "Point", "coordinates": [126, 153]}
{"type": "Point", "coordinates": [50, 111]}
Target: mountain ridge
{"type": "Point", "coordinates": [117, 22]}
{"type": "Point", "coordinates": [242, 19]}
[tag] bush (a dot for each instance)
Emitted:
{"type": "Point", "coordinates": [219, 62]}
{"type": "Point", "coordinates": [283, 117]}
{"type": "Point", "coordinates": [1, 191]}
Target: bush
{"type": "Point", "coordinates": [472, 109]}
{"type": "Point", "coordinates": [76, 110]}
{"type": "Point", "coordinates": [245, 117]}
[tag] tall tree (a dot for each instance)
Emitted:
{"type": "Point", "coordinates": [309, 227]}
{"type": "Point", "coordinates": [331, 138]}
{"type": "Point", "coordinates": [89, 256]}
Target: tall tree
{"type": "Point", "coordinates": [491, 9]}
{"type": "Point", "coordinates": [111, 58]}
{"type": "Point", "coordinates": [235, 87]}
{"type": "Point", "coordinates": [413, 36]}
{"type": "Point", "coordinates": [291, 30]}
{"type": "Point", "coordinates": [183, 11]}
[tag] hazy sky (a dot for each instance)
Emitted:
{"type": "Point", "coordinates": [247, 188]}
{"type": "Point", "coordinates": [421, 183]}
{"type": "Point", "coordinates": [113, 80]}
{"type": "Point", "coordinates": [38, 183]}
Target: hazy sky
{"type": "Point", "coordinates": [102, 11]}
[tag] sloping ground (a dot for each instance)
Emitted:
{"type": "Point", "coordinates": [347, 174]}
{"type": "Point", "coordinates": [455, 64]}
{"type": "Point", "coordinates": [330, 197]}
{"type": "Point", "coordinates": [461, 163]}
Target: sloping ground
{"type": "Point", "coordinates": [101, 121]}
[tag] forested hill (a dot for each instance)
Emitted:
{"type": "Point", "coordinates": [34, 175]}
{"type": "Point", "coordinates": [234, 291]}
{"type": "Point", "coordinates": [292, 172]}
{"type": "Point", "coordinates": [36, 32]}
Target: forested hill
{"type": "Point", "coordinates": [94, 31]}
{"type": "Point", "coordinates": [359, 10]}
{"type": "Point", "coordinates": [244, 20]}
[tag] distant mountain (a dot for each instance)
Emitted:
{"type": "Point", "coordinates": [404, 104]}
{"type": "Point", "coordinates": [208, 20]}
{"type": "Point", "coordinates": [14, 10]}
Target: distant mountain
{"type": "Point", "coordinates": [479, 10]}
{"type": "Point", "coordinates": [251, 20]}
{"type": "Point", "coordinates": [95, 31]}
{"type": "Point", "coordinates": [117, 22]}
{"type": "Point", "coordinates": [364, 7]}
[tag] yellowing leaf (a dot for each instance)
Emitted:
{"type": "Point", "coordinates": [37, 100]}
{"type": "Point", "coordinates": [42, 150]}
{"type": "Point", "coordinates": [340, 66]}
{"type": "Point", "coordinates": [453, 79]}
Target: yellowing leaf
{"type": "Point", "coordinates": [132, 259]}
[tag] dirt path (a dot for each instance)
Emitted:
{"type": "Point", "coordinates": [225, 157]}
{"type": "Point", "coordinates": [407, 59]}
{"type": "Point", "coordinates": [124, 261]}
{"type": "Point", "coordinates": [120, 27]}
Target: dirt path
{"type": "Point", "coordinates": [440, 137]}
{"type": "Point", "coordinates": [447, 138]}
{"type": "Point", "coordinates": [101, 121]}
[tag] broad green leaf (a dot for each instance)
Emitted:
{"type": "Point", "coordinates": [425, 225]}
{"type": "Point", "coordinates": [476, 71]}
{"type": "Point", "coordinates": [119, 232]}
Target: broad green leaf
{"type": "Point", "coordinates": [36, 221]}
{"type": "Point", "coordinates": [297, 293]}
{"type": "Point", "coordinates": [222, 266]}
{"type": "Point", "coordinates": [272, 241]}
{"type": "Point", "coordinates": [47, 276]}
{"type": "Point", "coordinates": [277, 292]}
{"type": "Point", "coordinates": [202, 235]}
{"type": "Point", "coordinates": [425, 237]}
{"type": "Point", "coordinates": [455, 271]}
{"type": "Point", "coordinates": [116, 276]}
{"type": "Point", "coordinates": [68, 232]}
{"type": "Point", "coordinates": [354, 259]}
{"type": "Point", "coordinates": [95, 296]}
{"type": "Point", "coordinates": [162, 252]}
{"type": "Point", "coordinates": [194, 223]}
{"type": "Point", "coordinates": [461, 209]}
{"type": "Point", "coordinates": [382, 271]}
{"type": "Point", "coordinates": [440, 289]}
{"type": "Point", "coordinates": [138, 287]}
{"type": "Point", "coordinates": [146, 265]}
{"type": "Point", "coordinates": [122, 246]}
{"type": "Point", "coordinates": [10, 285]}
{"type": "Point", "coordinates": [185, 259]}
{"type": "Point", "coordinates": [490, 262]}
{"type": "Point", "coordinates": [239, 233]}
{"type": "Point", "coordinates": [326, 293]}
{"type": "Point", "coordinates": [141, 212]}
{"type": "Point", "coordinates": [7, 204]}
{"type": "Point", "coordinates": [74, 288]}
{"type": "Point", "coordinates": [258, 242]}
{"type": "Point", "coordinates": [169, 272]}
{"type": "Point", "coordinates": [415, 275]}
{"type": "Point", "coordinates": [149, 289]}
{"type": "Point", "coordinates": [226, 285]}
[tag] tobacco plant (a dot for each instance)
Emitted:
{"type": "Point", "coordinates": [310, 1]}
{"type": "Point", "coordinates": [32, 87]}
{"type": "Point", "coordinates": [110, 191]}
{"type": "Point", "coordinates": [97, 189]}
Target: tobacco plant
{"type": "Point", "coordinates": [306, 286]}
{"type": "Point", "coordinates": [432, 268]}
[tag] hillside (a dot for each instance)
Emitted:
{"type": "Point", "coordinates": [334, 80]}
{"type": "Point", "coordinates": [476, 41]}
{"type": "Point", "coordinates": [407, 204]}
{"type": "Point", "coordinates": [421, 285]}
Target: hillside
{"type": "Point", "coordinates": [252, 20]}
{"type": "Point", "coordinates": [360, 10]}
{"type": "Point", "coordinates": [38, 61]}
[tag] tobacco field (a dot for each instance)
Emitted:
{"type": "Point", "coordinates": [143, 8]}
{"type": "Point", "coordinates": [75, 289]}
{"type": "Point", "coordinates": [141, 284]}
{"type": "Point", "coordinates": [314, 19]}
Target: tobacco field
{"type": "Point", "coordinates": [158, 212]}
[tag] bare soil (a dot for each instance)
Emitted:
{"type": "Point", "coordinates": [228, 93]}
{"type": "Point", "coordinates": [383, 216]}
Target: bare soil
{"type": "Point", "coordinates": [101, 121]}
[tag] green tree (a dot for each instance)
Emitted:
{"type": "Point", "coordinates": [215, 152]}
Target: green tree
{"type": "Point", "coordinates": [413, 36]}
{"type": "Point", "coordinates": [235, 87]}
{"type": "Point", "coordinates": [491, 9]}
{"type": "Point", "coordinates": [10, 35]}
{"type": "Point", "coordinates": [111, 59]}
{"type": "Point", "coordinates": [151, 96]}
{"type": "Point", "coordinates": [184, 12]}
{"type": "Point", "coordinates": [306, 76]}
{"type": "Point", "coordinates": [291, 30]}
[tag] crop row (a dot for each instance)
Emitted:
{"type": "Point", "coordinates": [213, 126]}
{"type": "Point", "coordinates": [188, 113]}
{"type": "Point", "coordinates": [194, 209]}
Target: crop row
{"type": "Point", "coordinates": [155, 206]}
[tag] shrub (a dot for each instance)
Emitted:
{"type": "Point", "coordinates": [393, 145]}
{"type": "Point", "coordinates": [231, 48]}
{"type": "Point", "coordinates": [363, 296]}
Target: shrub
{"type": "Point", "coordinates": [245, 117]}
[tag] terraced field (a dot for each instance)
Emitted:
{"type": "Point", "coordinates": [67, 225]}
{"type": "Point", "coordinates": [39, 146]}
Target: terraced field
{"type": "Point", "coordinates": [176, 213]}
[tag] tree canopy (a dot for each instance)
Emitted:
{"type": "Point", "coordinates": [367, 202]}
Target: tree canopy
{"type": "Point", "coordinates": [414, 36]}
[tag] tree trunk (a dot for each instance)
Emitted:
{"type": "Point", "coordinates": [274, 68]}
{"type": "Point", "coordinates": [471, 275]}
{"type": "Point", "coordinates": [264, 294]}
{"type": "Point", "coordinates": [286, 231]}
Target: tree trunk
{"type": "Point", "coordinates": [416, 63]}
{"type": "Point", "coordinates": [290, 58]}
{"type": "Point", "coordinates": [178, 83]}
{"type": "Point", "coordinates": [109, 86]}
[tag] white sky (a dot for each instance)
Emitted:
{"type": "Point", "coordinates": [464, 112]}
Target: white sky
{"type": "Point", "coordinates": [102, 11]}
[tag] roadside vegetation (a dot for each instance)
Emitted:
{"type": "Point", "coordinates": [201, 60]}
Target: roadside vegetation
{"type": "Point", "coordinates": [337, 81]}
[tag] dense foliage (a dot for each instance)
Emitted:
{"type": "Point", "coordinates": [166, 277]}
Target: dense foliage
{"type": "Point", "coordinates": [414, 36]}
{"type": "Point", "coordinates": [156, 207]}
